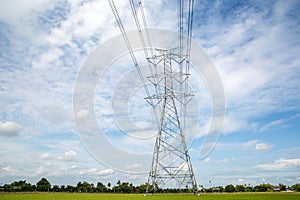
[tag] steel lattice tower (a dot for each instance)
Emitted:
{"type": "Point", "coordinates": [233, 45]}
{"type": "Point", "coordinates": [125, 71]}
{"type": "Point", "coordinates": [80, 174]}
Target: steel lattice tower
{"type": "Point", "coordinates": [171, 163]}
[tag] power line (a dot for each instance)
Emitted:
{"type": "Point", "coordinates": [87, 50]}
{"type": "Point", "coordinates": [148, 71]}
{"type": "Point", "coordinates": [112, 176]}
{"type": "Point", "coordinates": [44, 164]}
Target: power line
{"type": "Point", "coordinates": [142, 39]}
{"type": "Point", "coordinates": [136, 19]}
{"type": "Point", "coordinates": [137, 23]}
{"type": "Point", "coordinates": [126, 40]}
{"type": "Point", "coordinates": [146, 27]}
{"type": "Point", "coordinates": [189, 33]}
{"type": "Point", "coordinates": [148, 38]}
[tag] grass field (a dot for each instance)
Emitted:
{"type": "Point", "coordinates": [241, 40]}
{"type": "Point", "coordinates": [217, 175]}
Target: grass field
{"type": "Point", "coordinates": [78, 196]}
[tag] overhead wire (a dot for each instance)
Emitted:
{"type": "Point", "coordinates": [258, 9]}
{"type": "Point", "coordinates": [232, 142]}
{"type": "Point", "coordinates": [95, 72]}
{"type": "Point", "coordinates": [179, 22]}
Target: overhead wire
{"type": "Point", "coordinates": [136, 19]}
{"type": "Point", "coordinates": [146, 27]}
{"type": "Point", "coordinates": [147, 43]}
{"type": "Point", "coordinates": [137, 23]}
{"type": "Point", "coordinates": [148, 39]}
{"type": "Point", "coordinates": [127, 42]}
{"type": "Point", "coordinates": [144, 45]}
{"type": "Point", "coordinates": [181, 27]}
{"type": "Point", "coordinates": [187, 65]}
{"type": "Point", "coordinates": [189, 33]}
{"type": "Point", "coordinates": [187, 56]}
{"type": "Point", "coordinates": [181, 57]}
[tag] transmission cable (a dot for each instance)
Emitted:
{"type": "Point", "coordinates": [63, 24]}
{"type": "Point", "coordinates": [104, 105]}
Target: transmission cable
{"type": "Point", "coordinates": [153, 74]}
{"type": "Point", "coordinates": [146, 27]}
{"type": "Point", "coordinates": [129, 47]}
{"type": "Point", "coordinates": [136, 19]}
{"type": "Point", "coordinates": [189, 33]}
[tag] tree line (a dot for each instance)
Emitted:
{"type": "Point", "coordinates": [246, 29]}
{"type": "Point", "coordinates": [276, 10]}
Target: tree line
{"type": "Point", "coordinates": [44, 185]}
{"type": "Point", "coordinates": [265, 187]}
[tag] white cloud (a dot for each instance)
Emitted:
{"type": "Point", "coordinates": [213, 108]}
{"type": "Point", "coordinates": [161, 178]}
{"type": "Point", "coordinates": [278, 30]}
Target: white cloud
{"type": "Point", "coordinates": [86, 15]}
{"type": "Point", "coordinates": [9, 169]}
{"type": "Point", "coordinates": [105, 172]}
{"type": "Point", "coordinates": [279, 122]}
{"type": "Point", "coordinates": [72, 167]}
{"type": "Point", "coordinates": [282, 8]}
{"type": "Point", "coordinates": [271, 124]}
{"type": "Point", "coordinates": [233, 124]}
{"type": "Point", "coordinates": [281, 164]}
{"type": "Point", "coordinates": [10, 128]}
{"type": "Point", "coordinates": [263, 146]}
{"type": "Point", "coordinates": [241, 180]}
{"type": "Point", "coordinates": [249, 144]}
{"type": "Point", "coordinates": [40, 170]}
{"type": "Point", "coordinates": [225, 160]}
{"type": "Point", "coordinates": [207, 160]}
{"type": "Point", "coordinates": [95, 172]}
{"type": "Point", "coordinates": [236, 146]}
{"type": "Point", "coordinates": [56, 114]}
{"type": "Point", "coordinates": [134, 166]}
{"type": "Point", "coordinates": [46, 156]}
{"type": "Point", "coordinates": [246, 57]}
{"type": "Point", "coordinates": [14, 10]}
{"type": "Point", "coordinates": [82, 114]}
{"type": "Point", "coordinates": [68, 156]}
{"type": "Point", "coordinates": [47, 59]}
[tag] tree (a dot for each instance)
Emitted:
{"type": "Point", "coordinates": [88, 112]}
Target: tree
{"type": "Point", "coordinates": [101, 187]}
{"type": "Point", "coordinates": [221, 189]}
{"type": "Point", "coordinates": [229, 188]}
{"type": "Point", "coordinates": [20, 186]}
{"type": "Point", "coordinates": [201, 188]}
{"type": "Point", "coordinates": [142, 188]}
{"type": "Point", "coordinates": [86, 187]}
{"type": "Point", "coordinates": [70, 188]}
{"type": "Point", "coordinates": [43, 185]}
{"type": "Point", "coordinates": [79, 187]}
{"type": "Point", "coordinates": [16, 186]}
{"type": "Point", "coordinates": [62, 188]}
{"type": "Point", "coordinates": [93, 189]}
{"type": "Point", "coordinates": [282, 187]}
{"type": "Point", "coordinates": [109, 185]}
{"type": "Point", "coordinates": [296, 187]}
{"type": "Point", "coordinates": [126, 188]}
{"type": "Point", "coordinates": [55, 188]}
{"type": "Point", "coordinates": [263, 187]}
{"type": "Point", "coordinates": [33, 188]}
{"type": "Point", "coordinates": [248, 188]}
{"type": "Point", "coordinates": [240, 188]}
{"type": "Point", "coordinates": [117, 188]}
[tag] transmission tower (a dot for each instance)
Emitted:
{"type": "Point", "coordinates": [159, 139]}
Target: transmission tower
{"type": "Point", "coordinates": [171, 164]}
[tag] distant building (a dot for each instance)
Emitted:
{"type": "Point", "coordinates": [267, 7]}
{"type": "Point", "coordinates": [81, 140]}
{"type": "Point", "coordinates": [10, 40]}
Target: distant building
{"type": "Point", "coordinates": [216, 189]}
{"type": "Point", "coordinates": [276, 188]}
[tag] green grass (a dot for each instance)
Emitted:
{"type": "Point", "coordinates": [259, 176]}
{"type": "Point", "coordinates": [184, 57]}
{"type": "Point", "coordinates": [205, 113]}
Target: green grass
{"type": "Point", "coordinates": [84, 196]}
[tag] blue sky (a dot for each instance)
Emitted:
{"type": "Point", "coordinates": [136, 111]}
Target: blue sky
{"type": "Point", "coordinates": [254, 45]}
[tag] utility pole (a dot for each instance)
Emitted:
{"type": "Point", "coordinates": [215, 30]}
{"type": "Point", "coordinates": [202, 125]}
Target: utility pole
{"type": "Point", "coordinates": [171, 164]}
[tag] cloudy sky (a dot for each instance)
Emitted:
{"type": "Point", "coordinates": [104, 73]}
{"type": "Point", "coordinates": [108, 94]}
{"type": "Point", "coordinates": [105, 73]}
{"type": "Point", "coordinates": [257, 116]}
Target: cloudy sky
{"type": "Point", "coordinates": [254, 45]}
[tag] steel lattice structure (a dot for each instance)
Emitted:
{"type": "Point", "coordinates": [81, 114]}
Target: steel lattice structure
{"type": "Point", "coordinates": [171, 161]}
